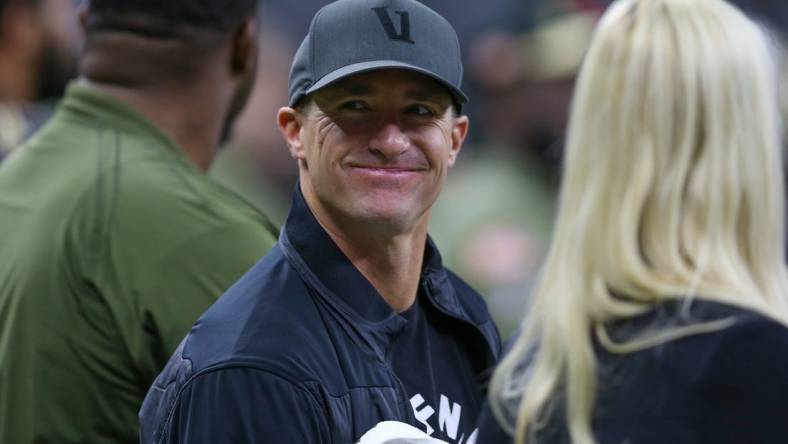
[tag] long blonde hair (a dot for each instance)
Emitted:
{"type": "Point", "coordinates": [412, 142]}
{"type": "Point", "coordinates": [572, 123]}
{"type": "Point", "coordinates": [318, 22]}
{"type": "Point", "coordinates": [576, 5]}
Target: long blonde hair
{"type": "Point", "coordinates": [672, 187]}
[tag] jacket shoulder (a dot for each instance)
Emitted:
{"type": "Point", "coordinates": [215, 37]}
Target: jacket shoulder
{"type": "Point", "coordinates": [264, 319]}
{"type": "Point", "coordinates": [231, 402]}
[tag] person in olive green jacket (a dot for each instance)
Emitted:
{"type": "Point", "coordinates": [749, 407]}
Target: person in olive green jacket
{"type": "Point", "coordinates": [114, 240]}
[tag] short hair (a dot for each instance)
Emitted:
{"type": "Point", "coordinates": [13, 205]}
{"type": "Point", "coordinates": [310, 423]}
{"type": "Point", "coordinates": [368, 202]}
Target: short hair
{"type": "Point", "coordinates": [165, 18]}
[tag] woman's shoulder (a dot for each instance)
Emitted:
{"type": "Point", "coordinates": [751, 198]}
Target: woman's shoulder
{"type": "Point", "coordinates": [738, 329]}
{"type": "Point", "coordinates": [725, 352]}
{"type": "Point", "coordinates": [753, 345]}
{"type": "Point", "coordinates": [722, 320]}
{"type": "Point", "coordinates": [724, 378]}
{"type": "Point", "coordinates": [744, 386]}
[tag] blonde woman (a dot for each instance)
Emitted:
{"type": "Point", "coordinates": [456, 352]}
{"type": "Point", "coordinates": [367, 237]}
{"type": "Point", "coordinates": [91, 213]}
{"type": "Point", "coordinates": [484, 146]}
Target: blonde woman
{"type": "Point", "coordinates": [661, 312]}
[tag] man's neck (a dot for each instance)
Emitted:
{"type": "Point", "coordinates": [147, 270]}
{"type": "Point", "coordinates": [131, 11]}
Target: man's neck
{"type": "Point", "coordinates": [188, 109]}
{"type": "Point", "coordinates": [194, 127]}
{"type": "Point", "coordinates": [392, 265]}
{"type": "Point", "coordinates": [391, 261]}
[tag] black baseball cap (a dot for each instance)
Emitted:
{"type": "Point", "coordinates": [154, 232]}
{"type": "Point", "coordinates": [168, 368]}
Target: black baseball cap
{"type": "Point", "coordinates": [349, 37]}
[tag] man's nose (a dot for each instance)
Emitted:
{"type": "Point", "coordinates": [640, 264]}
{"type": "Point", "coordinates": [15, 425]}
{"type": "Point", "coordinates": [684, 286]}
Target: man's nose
{"type": "Point", "coordinates": [390, 140]}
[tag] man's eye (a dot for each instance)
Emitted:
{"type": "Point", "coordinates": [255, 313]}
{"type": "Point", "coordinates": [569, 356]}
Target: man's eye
{"type": "Point", "coordinates": [421, 110]}
{"type": "Point", "coordinates": [354, 105]}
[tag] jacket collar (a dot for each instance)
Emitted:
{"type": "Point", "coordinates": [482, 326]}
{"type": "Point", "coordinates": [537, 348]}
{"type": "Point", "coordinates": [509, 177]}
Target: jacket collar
{"type": "Point", "coordinates": [323, 259]}
{"type": "Point", "coordinates": [367, 318]}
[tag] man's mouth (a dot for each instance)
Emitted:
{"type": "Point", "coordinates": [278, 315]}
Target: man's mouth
{"type": "Point", "coordinates": [393, 172]}
{"type": "Point", "coordinates": [387, 169]}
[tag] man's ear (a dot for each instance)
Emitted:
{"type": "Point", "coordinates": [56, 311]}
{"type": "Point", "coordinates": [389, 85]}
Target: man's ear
{"type": "Point", "coordinates": [458, 133]}
{"type": "Point", "coordinates": [244, 48]}
{"type": "Point", "coordinates": [290, 123]}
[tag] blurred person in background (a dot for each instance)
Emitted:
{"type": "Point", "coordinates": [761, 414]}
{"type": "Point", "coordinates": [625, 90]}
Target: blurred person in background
{"type": "Point", "coordinates": [116, 239]}
{"type": "Point", "coordinates": [376, 328]}
{"type": "Point", "coordinates": [501, 203]}
{"type": "Point", "coordinates": [39, 40]}
{"type": "Point", "coordinates": [660, 315]}
{"type": "Point", "coordinates": [523, 73]}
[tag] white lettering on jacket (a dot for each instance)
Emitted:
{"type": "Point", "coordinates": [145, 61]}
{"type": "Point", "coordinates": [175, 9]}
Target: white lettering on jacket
{"type": "Point", "coordinates": [449, 415]}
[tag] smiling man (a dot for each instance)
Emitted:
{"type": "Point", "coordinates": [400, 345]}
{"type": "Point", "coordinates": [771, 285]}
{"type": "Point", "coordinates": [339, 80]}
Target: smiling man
{"type": "Point", "coordinates": [351, 320]}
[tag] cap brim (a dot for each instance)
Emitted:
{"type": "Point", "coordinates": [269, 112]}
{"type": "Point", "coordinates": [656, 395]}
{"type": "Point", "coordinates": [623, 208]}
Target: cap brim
{"type": "Point", "coordinates": [358, 68]}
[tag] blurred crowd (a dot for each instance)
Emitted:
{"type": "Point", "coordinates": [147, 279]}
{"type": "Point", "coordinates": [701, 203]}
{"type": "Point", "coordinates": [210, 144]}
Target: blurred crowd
{"type": "Point", "coordinates": [39, 40]}
{"type": "Point", "coordinates": [494, 217]}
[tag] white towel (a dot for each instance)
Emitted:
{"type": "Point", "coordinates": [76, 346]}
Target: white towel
{"type": "Point", "coordinates": [393, 432]}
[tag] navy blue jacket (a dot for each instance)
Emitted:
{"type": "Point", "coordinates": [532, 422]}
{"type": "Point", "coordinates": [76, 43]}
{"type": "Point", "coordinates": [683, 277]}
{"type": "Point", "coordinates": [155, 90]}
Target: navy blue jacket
{"type": "Point", "coordinates": [725, 387]}
{"type": "Point", "coordinates": [298, 351]}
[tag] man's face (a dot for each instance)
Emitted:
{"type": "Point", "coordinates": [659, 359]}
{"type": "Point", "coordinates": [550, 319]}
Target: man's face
{"type": "Point", "coordinates": [376, 148]}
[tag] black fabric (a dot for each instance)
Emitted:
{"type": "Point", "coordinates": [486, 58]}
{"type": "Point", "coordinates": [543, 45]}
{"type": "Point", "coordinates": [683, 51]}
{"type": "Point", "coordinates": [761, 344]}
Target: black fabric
{"type": "Point", "coordinates": [276, 401]}
{"type": "Point", "coordinates": [729, 386]}
{"type": "Point", "coordinates": [435, 367]}
{"type": "Point", "coordinates": [298, 350]}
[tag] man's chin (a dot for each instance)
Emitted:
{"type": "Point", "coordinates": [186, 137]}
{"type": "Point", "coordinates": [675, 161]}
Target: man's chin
{"type": "Point", "coordinates": [352, 209]}
{"type": "Point", "coordinates": [391, 214]}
